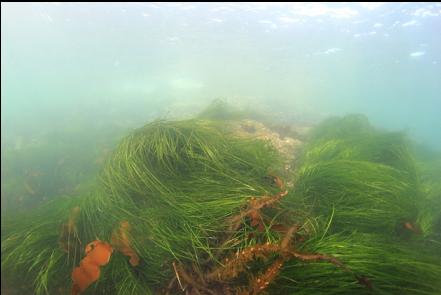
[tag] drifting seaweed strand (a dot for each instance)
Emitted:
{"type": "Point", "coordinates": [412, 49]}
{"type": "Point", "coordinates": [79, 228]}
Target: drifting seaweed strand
{"type": "Point", "coordinates": [237, 263]}
{"type": "Point", "coordinates": [260, 283]}
{"type": "Point", "coordinates": [254, 206]}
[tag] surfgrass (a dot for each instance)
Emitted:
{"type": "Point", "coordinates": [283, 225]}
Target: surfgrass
{"type": "Point", "coordinates": [391, 265]}
{"type": "Point", "coordinates": [178, 183]}
{"type": "Point", "coordinates": [174, 182]}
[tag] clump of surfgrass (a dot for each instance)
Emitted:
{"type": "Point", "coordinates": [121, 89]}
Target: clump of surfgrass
{"type": "Point", "coordinates": [353, 138]}
{"type": "Point", "coordinates": [364, 195]}
{"type": "Point", "coordinates": [366, 176]}
{"type": "Point", "coordinates": [390, 266]}
{"type": "Point", "coordinates": [429, 167]}
{"type": "Point", "coordinates": [173, 158]}
{"type": "Point", "coordinates": [193, 168]}
{"type": "Point", "coordinates": [30, 248]}
{"type": "Point", "coordinates": [367, 182]}
{"type": "Point", "coordinates": [179, 181]}
{"type": "Point", "coordinates": [175, 183]}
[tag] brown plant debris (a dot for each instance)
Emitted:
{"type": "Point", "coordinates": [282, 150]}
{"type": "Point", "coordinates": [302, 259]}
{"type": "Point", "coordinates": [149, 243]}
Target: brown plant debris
{"type": "Point", "coordinates": [220, 280]}
{"type": "Point", "coordinates": [254, 207]}
{"type": "Point", "coordinates": [260, 283]}
{"type": "Point", "coordinates": [237, 263]}
{"type": "Point", "coordinates": [120, 241]}
{"type": "Point", "coordinates": [68, 230]}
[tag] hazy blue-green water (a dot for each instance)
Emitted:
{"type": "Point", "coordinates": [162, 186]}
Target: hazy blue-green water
{"type": "Point", "coordinates": [76, 78]}
{"type": "Point", "coordinates": [114, 63]}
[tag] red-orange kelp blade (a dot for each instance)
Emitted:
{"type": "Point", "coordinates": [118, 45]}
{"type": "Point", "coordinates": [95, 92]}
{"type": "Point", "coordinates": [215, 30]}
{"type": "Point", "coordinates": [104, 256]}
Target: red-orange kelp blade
{"type": "Point", "coordinates": [97, 254]}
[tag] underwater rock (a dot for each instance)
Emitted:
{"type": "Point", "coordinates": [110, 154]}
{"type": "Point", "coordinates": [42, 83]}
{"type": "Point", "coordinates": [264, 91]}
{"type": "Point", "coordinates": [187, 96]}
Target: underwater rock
{"type": "Point", "coordinates": [287, 146]}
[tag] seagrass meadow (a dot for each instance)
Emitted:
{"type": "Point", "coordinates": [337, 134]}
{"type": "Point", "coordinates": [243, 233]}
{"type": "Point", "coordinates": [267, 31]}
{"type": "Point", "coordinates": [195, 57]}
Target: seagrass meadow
{"type": "Point", "coordinates": [251, 148]}
{"type": "Point", "coordinates": [193, 207]}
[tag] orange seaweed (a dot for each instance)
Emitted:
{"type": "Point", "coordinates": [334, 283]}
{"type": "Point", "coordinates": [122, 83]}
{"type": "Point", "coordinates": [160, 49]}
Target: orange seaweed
{"type": "Point", "coordinates": [97, 254]}
{"type": "Point", "coordinates": [121, 242]}
{"type": "Point", "coordinates": [413, 227]}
